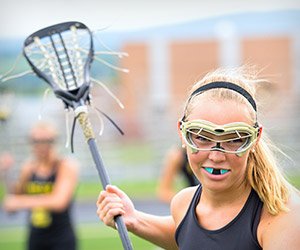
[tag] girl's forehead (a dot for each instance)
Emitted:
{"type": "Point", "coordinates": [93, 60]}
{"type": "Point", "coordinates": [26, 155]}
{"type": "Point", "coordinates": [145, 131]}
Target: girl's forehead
{"type": "Point", "coordinates": [43, 133]}
{"type": "Point", "coordinates": [219, 111]}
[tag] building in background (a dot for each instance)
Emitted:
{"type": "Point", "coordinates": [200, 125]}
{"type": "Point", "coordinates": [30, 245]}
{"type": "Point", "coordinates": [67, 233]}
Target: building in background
{"type": "Point", "coordinates": [166, 61]}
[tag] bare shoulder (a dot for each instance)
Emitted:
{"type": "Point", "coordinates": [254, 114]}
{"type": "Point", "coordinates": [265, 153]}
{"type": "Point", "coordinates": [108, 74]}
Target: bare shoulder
{"type": "Point", "coordinates": [282, 231]}
{"type": "Point", "coordinates": [181, 202]}
{"type": "Point", "coordinates": [69, 164]}
{"type": "Point", "coordinates": [175, 154]}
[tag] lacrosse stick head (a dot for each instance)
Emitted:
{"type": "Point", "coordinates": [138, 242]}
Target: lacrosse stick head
{"type": "Point", "coordinates": [61, 55]}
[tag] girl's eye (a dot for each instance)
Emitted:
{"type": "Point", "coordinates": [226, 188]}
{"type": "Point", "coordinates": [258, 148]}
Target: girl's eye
{"type": "Point", "coordinates": [201, 139]}
{"type": "Point", "coordinates": [236, 141]}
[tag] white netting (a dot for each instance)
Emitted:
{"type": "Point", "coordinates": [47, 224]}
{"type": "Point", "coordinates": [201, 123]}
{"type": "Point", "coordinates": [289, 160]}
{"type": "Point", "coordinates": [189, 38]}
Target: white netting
{"type": "Point", "coordinates": [62, 56]}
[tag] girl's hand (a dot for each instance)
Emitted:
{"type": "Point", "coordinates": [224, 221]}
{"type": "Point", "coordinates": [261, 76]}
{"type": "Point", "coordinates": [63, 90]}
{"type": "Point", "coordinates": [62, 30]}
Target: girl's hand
{"type": "Point", "coordinates": [6, 162]}
{"type": "Point", "coordinates": [112, 202]}
{"type": "Point", "coordinates": [11, 203]}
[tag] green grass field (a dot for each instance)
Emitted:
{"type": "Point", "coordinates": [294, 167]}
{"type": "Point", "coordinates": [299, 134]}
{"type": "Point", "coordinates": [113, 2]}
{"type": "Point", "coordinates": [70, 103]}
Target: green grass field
{"type": "Point", "coordinates": [135, 189]}
{"type": "Point", "coordinates": [141, 189]}
{"type": "Point", "coordinates": [96, 236]}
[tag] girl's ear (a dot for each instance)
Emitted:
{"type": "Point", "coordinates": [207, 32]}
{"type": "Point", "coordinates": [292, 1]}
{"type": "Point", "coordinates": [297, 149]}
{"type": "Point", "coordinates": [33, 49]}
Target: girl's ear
{"type": "Point", "coordinates": [179, 131]}
{"type": "Point", "coordinates": [259, 133]}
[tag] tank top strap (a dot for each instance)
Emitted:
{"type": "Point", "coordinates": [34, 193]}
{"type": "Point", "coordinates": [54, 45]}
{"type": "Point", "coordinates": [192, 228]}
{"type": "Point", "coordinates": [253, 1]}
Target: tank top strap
{"type": "Point", "coordinates": [192, 205]}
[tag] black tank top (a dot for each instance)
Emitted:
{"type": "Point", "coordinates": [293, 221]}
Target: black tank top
{"type": "Point", "coordinates": [44, 224]}
{"type": "Point", "coordinates": [239, 234]}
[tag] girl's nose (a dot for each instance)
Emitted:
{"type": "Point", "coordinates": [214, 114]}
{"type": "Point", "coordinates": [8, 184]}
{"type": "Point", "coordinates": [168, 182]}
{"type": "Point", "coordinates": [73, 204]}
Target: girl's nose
{"type": "Point", "coordinates": [216, 156]}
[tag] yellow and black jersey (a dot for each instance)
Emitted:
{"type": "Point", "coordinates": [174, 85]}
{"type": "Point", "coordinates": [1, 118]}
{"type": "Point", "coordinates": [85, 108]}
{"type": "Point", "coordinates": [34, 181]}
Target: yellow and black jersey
{"type": "Point", "coordinates": [48, 228]}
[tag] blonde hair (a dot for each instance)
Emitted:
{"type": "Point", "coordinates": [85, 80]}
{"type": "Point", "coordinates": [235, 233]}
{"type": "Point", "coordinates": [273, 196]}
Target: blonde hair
{"type": "Point", "coordinates": [263, 173]}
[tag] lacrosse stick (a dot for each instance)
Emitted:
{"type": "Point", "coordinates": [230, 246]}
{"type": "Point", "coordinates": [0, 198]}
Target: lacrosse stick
{"type": "Point", "coordinates": [62, 55]}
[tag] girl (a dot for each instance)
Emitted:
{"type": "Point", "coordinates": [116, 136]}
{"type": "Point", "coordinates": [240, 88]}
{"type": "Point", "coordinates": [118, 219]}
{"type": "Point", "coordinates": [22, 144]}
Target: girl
{"type": "Point", "coordinates": [243, 201]}
{"type": "Point", "coordinates": [46, 187]}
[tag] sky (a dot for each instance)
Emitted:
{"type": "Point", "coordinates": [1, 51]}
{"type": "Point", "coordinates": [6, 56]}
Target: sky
{"type": "Point", "coordinates": [20, 18]}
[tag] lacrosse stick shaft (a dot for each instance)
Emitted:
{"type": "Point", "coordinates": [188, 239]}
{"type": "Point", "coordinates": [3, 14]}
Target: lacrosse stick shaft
{"type": "Point", "coordinates": [89, 135]}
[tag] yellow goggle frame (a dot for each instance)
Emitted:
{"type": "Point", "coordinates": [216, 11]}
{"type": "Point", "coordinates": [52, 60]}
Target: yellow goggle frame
{"type": "Point", "coordinates": [234, 138]}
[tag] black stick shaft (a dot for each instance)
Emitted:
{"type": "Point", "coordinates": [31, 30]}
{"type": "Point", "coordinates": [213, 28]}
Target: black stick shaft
{"type": "Point", "coordinates": [99, 163]}
{"type": "Point", "coordinates": [120, 225]}
{"type": "Point", "coordinates": [105, 181]}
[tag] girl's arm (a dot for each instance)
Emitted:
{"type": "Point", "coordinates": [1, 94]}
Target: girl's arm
{"type": "Point", "coordinates": [283, 230]}
{"type": "Point", "coordinates": [171, 169]}
{"type": "Point", "coordinates": [57, 200]}
{"type": "Point", "coordinates": [156, 229]}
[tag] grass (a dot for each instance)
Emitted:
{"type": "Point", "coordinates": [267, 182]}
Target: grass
{"type": "Point", "coordinates": [128, 153]}
{"type": "Point", "coordinates": [135, 189]}
{"type": "Point", "coordinates": [294, 180]}
{"type": "Point", "coordinates": [140, 189]}
{"type": "Point", "coordinates": [90, 237]}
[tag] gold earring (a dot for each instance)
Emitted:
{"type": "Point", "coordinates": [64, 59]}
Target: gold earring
{"type": "Point", "coordinates": [183, 145]}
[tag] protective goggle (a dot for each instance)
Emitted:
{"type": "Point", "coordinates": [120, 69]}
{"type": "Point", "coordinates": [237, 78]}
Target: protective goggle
{"type": "Point", "coordinates": [234, 138]}
{"type": "Point", "coordinates": [44, 141]}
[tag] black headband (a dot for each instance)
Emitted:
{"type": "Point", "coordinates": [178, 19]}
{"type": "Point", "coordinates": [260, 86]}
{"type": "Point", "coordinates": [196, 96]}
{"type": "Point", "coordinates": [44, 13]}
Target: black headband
{"type": "Point", "coordinates": [225, 85]}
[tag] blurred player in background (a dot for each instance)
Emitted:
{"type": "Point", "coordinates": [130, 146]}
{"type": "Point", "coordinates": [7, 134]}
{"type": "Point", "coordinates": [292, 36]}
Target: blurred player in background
{"type": "Point", "coordinates": [175, 165]}
{"type": "Point", "coordinates": [45, 187]}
